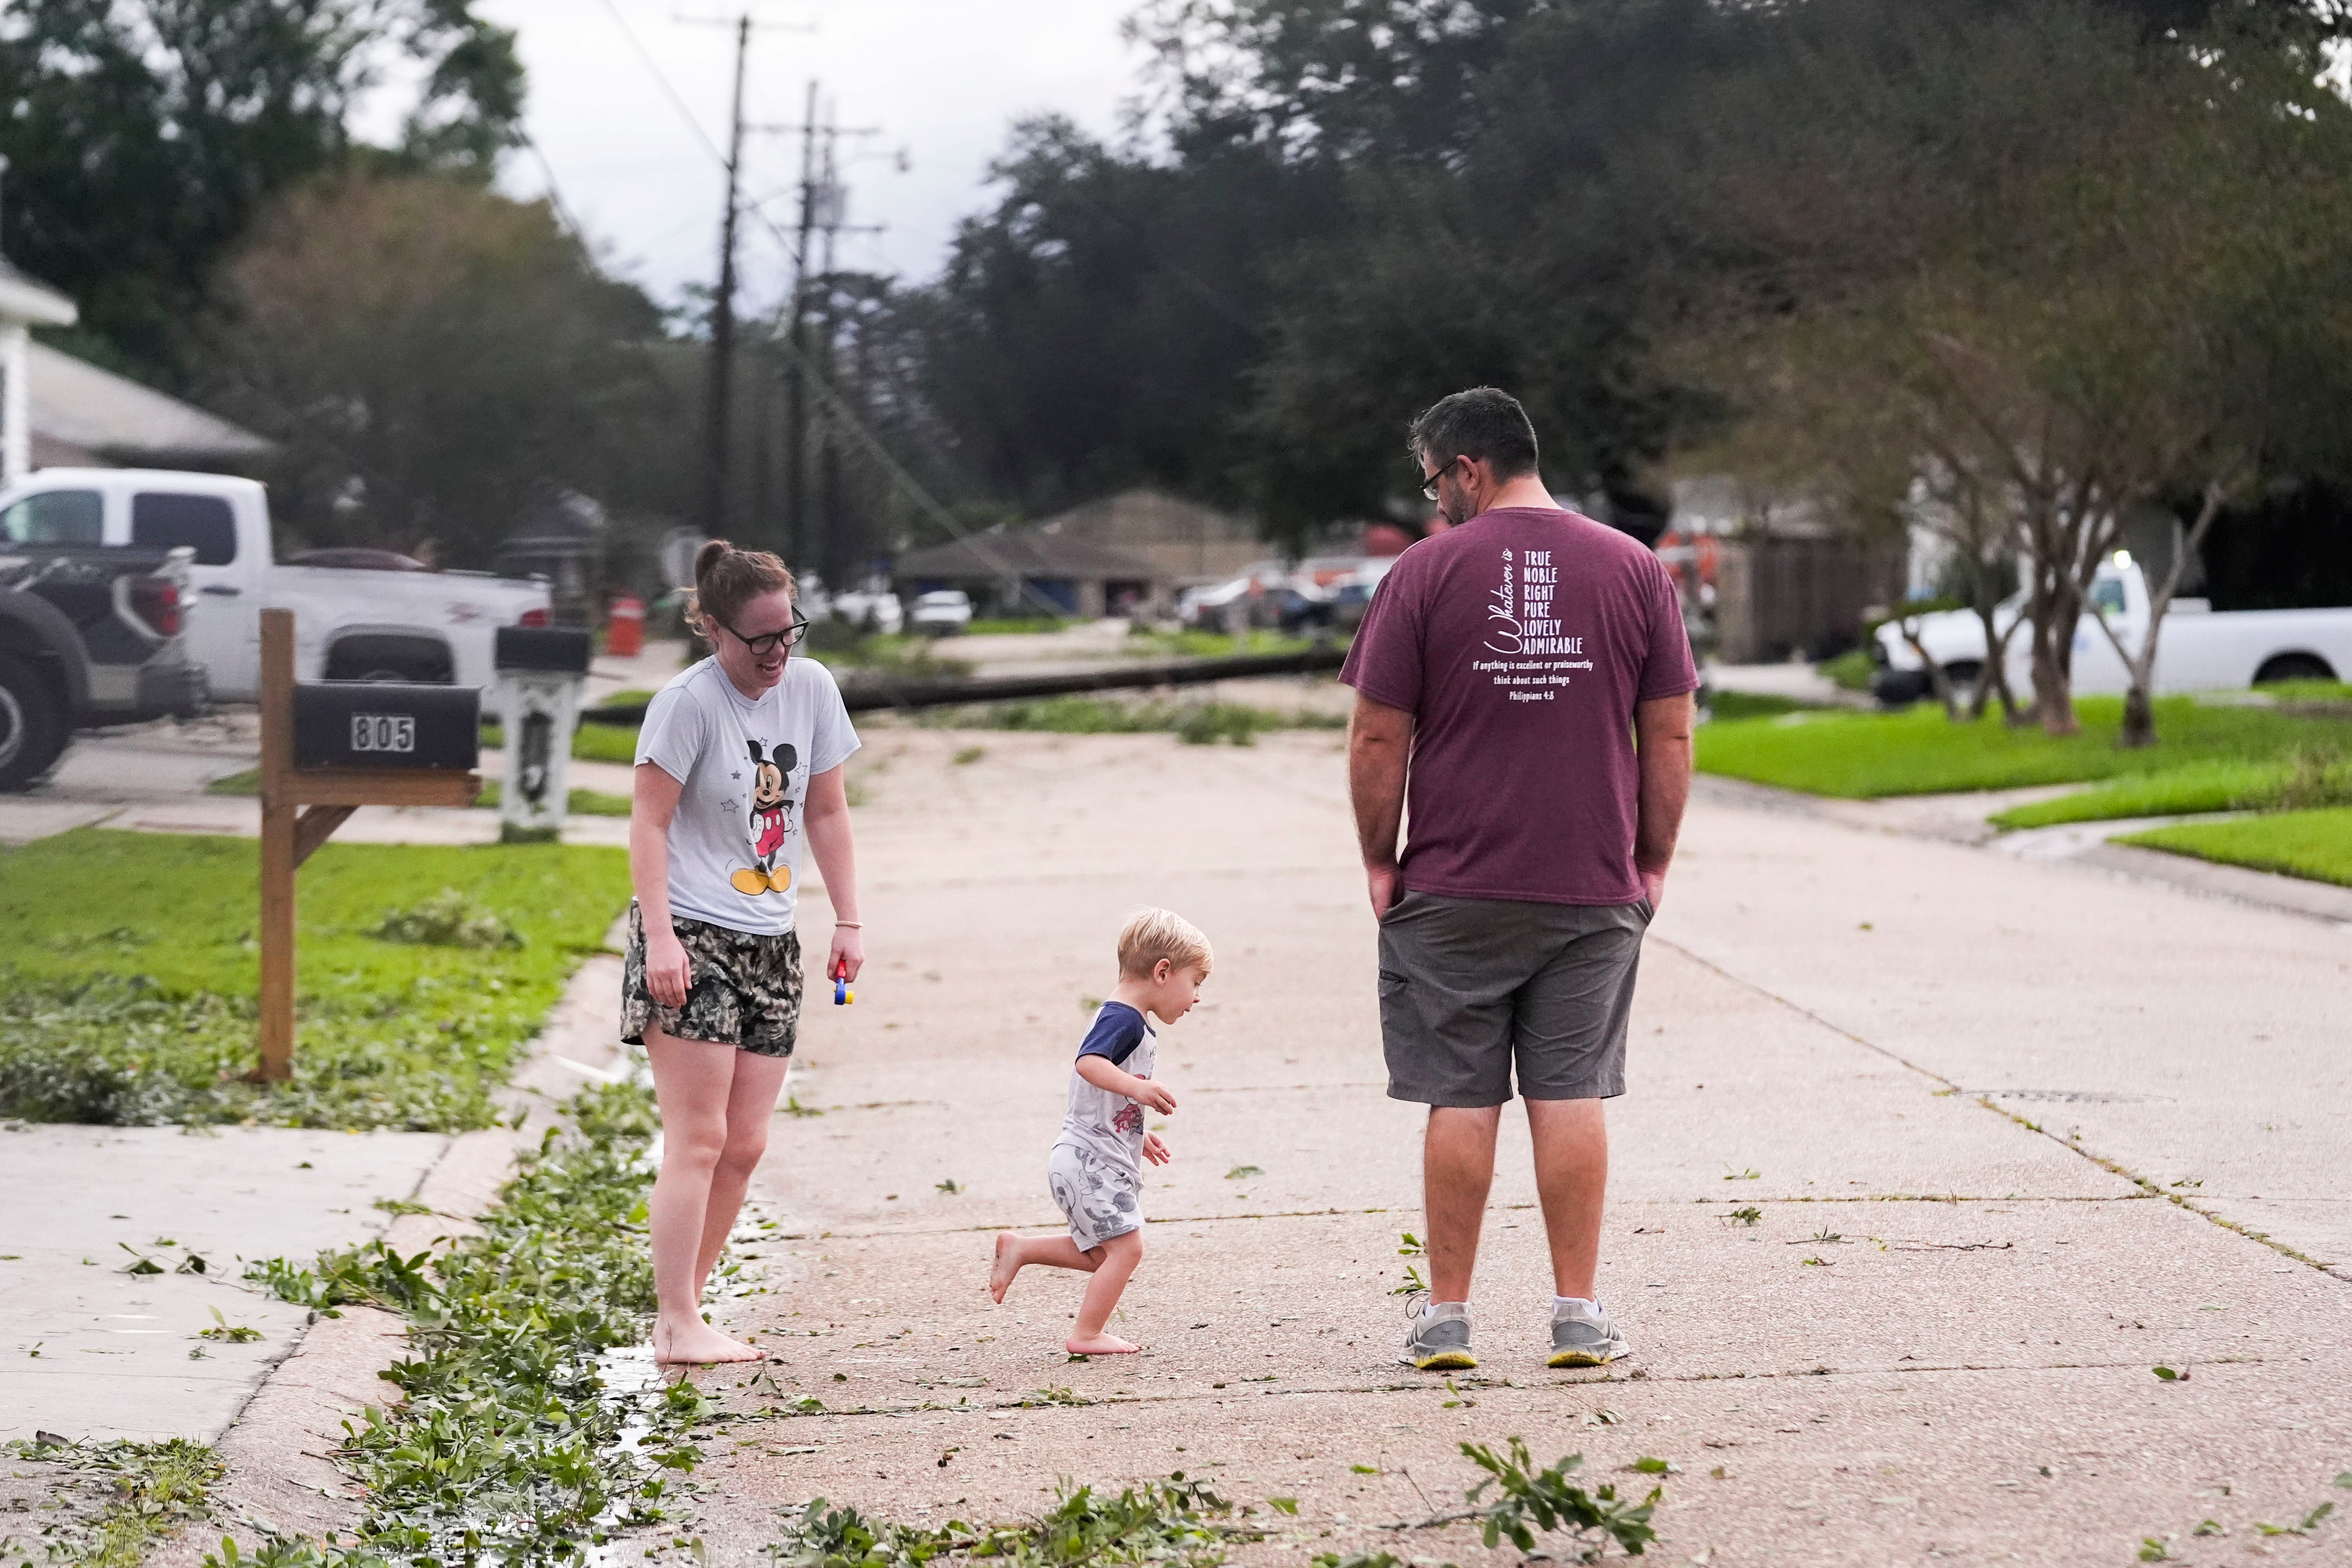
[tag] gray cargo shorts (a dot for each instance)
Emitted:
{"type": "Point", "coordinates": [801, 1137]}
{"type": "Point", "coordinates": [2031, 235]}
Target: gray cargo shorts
{"type": "Point", "coordinates": [1472, 988]}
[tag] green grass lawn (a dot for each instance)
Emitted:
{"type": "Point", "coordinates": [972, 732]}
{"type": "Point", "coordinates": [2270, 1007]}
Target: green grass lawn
{"type": "Point", "coordinates": [1919, 752]}
{"type": "Point", "coordinates": [1724, 707]}
{"type": "Point", "coordinates": [1188, 644]}
{"type": "Point", "coordinates": [582, 802]}
{"type": "Point", "coordinates": [2314, 844]}
{"type": "Point", "coordinates": [590, 743]}
{"type": "Point", "coordinates": [2214, 784]}
{"type": "Point", "coordinates": [127, 985]}
{"type": "Point", "coordinates": [1013, 626]}
{"type": "Point", "coordinates": [1200, 723]}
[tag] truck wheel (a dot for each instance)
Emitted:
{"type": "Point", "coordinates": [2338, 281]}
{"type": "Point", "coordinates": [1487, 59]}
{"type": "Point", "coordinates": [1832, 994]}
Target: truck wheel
{"type": "Point", "coordinates": [33, 731]}
{"type": "Point", "coordinates": [1965, 676]}
{"type": "Point", "coordinates": [2293, 666]}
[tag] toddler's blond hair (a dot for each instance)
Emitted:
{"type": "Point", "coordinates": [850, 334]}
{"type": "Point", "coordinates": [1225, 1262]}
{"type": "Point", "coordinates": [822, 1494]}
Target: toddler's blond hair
{"type": "Point", "coordinates": [1151, 935]}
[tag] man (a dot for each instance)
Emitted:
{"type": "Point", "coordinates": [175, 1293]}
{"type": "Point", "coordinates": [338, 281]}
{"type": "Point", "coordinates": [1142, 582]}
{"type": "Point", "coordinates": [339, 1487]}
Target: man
{"type": "Point", "coordinates": [1516, 660]}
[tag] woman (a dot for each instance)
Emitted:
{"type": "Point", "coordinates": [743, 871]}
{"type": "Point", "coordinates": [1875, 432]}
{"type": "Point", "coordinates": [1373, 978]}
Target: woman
{"type": "Point", "coordinates": [739, 764]}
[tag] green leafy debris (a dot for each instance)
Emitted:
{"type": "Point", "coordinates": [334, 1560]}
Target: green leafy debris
{"type": "Point", "coordinates": [1174, 1524]}
{"type": "Point", "coordinates": [227, 1333]}
{"type": "Point", "coordinates": [448, 919]}
{"type": "Point", "coordinates": [139, 1492]}
{"type": "Point", "coordinates": [1546, 1499]}
{"type": "Point", "coordinates": [509, 1446]}
{"type": "Point", "coordinates": [158, 1027]}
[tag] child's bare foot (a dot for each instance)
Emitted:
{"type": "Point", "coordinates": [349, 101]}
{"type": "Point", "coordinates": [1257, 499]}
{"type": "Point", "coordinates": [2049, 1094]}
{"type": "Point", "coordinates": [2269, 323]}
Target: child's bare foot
{"type": "Point", "coordinates": [1100, 1344]}
{"type": "Point", "coordinates": [699, 1344]}
{"type": "Point", "coordinates": [1001, 1272]}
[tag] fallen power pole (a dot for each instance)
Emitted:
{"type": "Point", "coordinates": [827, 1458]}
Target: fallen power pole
{"type": "Point", "coordinates": [872, 696]}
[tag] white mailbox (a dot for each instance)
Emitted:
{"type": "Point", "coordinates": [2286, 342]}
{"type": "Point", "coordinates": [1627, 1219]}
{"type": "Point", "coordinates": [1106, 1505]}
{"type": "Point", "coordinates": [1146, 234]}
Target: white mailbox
{"type": "Point", "coordinates": [541, 674]}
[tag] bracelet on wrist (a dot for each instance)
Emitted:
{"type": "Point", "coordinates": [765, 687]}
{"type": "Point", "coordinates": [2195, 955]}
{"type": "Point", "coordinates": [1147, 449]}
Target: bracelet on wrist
{"type": "Point", "coordinates": [849, 925]}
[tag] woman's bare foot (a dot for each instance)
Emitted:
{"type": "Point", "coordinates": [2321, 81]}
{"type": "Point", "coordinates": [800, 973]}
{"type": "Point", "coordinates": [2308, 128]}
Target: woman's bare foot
{"type": "Point", "coordinates": [699, 1344]}
{"type": "Point", "coordinates": [1001, 1272]}
{"type": "Point", "coordinates": [1100, 1344]}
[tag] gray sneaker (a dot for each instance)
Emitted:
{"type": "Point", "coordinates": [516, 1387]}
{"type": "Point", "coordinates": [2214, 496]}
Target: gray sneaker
{"type": "Point", "coordinates": [1581, 1339]}
{"type": "Point", "coordinates": [1440, 1341]}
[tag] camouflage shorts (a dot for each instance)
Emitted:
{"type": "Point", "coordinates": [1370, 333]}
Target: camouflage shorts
{"type": "Point", "coordinates": [745, 990]}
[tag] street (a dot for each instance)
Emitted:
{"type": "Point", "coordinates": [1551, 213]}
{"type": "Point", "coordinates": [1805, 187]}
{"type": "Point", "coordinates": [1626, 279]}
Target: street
{"type": "Point", "coordinates": [1936, 1339]}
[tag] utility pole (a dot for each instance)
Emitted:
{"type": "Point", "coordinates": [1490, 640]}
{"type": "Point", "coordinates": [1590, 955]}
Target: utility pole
{"type": "Point", "coordinates": [718, 400]}
{"type": "Point", "coordinates": [796, 398]}
{"type": "Point", "coordinates": [821, 209]}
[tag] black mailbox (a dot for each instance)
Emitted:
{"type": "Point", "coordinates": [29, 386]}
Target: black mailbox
{"type": "Point", "coordinates": [558, 649]}
{"type": "Point", "coordinates": [387, 724]}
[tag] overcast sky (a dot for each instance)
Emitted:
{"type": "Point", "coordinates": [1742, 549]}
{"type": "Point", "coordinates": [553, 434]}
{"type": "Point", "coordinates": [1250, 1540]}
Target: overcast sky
{"type": "Point", "coordinates": [943, 80]}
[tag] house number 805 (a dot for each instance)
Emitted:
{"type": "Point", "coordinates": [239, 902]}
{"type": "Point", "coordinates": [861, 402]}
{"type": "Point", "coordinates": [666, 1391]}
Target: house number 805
{"type": "Point", "coordinates": [383, 732]}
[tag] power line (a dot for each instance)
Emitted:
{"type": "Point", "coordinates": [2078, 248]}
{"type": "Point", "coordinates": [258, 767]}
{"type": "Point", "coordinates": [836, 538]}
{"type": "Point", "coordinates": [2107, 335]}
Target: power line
{"type": "Point", "coordinates": [837, 409]}
{"type": "Point", "coordinates": [653, 67]}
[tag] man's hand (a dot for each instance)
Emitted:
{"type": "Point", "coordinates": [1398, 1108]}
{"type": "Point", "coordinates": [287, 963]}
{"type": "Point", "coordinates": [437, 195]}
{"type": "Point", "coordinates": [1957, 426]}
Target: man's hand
{"type": "Point", "coordinates": [1154, 1150]}
{"type": "Point", "coordinates": [668, 972]}
{"type": "Point", "coordinates": [1154, 1095]}
{"type": "Point", "coordinates": [1382, 882]}
{"type": "Point", "coordinates": [1654, 887]}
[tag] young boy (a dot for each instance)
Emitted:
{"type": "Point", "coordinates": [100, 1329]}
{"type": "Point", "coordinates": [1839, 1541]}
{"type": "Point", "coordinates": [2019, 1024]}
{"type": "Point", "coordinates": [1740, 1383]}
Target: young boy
{"type": "Point", "coordinates": [1096, 1170]}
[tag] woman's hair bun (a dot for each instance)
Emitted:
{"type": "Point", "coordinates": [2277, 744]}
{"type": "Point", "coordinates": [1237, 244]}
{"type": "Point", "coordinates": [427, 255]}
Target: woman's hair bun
{"type": "Point", "coordinates": [712, 553]}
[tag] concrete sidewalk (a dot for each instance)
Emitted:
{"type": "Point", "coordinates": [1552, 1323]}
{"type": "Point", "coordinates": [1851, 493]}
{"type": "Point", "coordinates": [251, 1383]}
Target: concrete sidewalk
{"type": "Point", "coordinates": [1933, 1341]}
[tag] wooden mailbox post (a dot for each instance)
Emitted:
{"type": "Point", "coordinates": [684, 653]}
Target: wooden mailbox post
{"type": "Point", "coordinates": [326, 750]}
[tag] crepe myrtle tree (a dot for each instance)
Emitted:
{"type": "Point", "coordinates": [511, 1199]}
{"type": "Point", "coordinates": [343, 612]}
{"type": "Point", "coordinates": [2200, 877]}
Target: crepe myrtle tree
{"type": "Point", "coordinates": [2119, 278]}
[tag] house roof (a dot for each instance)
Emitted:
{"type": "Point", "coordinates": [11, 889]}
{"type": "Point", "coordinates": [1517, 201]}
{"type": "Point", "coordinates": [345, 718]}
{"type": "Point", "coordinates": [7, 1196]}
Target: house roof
{"type": "Point", "coordinates": [1025, 554]}
{"type": "Point", "coordinates": [77, 404]}
{"type": "Point", "coordinates": [27, 300]}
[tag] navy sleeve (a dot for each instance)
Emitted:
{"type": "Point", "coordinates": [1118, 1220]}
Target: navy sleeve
{"type": "Point", "coordinates": [1117, 1030]}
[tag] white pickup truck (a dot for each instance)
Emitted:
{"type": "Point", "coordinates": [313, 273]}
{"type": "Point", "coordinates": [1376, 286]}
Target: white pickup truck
{"type": "Point", "coordinates": [351, 624]}
{"type": "Point", "coordinates": [2199, 649]}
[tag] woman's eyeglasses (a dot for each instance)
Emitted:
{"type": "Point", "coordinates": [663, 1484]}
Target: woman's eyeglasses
{"type": "Point", "coordinates": [768, 642]}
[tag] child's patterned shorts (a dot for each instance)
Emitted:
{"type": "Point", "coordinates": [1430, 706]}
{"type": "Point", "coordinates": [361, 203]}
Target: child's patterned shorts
{"type": "Point", "coordinates": [1102, 1197]}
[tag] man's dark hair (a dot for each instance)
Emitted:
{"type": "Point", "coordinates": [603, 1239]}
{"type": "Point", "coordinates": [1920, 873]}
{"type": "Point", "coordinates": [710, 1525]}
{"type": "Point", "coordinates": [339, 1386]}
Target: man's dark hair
{"type": "Point", "coordinates": [1486, 423]}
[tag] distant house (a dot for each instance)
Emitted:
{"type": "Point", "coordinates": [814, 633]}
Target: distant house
{"type": "Point", "coordinates": [83, 417]}
{"type": "Point", "coordinates": [25, 303]}
{"type": "Point", "coordinates": [57, 411]}
{"type": "Point", "coordinates": [1019, 572]}
{"type": "Point", "coordinates": [1778, 577]}
{"type": "Point", "coordinates": [1184, 542]}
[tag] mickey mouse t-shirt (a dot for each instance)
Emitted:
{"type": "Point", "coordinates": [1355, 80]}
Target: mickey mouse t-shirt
{"type": "Point", "coordinates": [744, 766]}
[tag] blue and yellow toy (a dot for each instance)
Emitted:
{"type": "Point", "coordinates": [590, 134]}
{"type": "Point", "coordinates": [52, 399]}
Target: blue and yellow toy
{"type": "Point", "coordinates": [843, 996]}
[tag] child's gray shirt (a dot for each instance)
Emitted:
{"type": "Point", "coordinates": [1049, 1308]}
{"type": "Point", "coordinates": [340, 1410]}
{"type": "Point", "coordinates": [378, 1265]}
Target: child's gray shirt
{"type": "Point", "coordinates": [1112, 1124]}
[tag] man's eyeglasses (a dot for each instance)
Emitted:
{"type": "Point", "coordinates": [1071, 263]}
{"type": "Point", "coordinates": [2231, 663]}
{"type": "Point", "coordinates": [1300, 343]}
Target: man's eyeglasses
{"type": "Point", "coordinates": [768, 642]}
{"type": "Point", "coordinates": [1429, 484]}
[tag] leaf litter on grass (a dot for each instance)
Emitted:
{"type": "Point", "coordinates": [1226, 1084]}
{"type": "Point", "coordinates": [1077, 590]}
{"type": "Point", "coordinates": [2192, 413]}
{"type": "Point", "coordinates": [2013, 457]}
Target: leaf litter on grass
{"type": "Point", "coordinates": [121, 1008]}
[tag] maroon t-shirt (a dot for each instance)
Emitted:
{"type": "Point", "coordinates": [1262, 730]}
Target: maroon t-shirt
{"type": "Point", "coordinates": [1520, 643]}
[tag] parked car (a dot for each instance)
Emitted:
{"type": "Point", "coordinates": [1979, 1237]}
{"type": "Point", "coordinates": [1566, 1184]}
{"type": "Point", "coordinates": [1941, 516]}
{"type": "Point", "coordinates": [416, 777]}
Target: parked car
{"type": "Point", "coordinates": [871, 609]}
{"type": "Point", "coordinates": [2200, 649]}
{"type": "Point", "coordinates": [351, 623]}
{"type": "Point", "coordinates": [942, 611]}
{"type": "Point", "coordinates": [88, 634]}
{"type": "Point", "coordinates": [1352, 593]}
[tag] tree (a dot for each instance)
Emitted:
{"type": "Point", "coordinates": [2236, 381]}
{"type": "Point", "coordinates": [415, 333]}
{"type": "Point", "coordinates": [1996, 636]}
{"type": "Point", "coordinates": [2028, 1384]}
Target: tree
{"type": "Point", "coordinates": [435, 358]}
{"type": "Point", "coordinates": [1094, 328]}
{"type": "Point", "coordinates": [144, 136]}
{"type": "Point", "coordinates": [2082, 273]}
